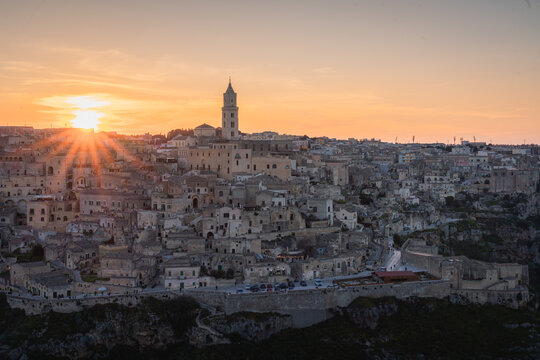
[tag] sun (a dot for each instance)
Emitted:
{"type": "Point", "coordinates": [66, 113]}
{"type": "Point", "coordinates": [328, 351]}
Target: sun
{"type": "Point", "coordinates": [84, 117]}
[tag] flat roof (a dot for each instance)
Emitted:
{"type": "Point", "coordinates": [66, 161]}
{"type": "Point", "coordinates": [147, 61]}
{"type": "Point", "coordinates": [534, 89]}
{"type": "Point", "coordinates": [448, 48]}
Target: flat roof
{"type": "Point", "coordinates": [383, 274]}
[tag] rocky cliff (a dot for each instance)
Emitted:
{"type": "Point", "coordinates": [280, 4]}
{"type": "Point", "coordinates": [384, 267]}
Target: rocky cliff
{"type": "Point", "coordinates": [250, 326]}
{"type": "Point", "coordinates": [92, 333]}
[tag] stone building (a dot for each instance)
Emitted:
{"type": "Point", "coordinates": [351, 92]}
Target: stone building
{"type": "Point", "coordinates": [182, 273]}
{"type": "Point", "coordinates": [20, 271]}
{"type": "Point", "coordinates": [229, 114]}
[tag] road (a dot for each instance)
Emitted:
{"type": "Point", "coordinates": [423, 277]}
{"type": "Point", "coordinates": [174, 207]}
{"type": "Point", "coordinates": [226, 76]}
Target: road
{"type": "Point", "coordinates": [393, 257]}
{"type": "Point", "coordinates": [241, 288]}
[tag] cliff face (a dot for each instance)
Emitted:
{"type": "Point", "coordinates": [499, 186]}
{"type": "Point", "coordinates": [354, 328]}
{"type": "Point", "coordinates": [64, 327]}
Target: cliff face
{"type": "Point", "coordinates": [140, 334]}
{"type": "Point", "coordinates": [366, 313]}
{"type": "Point", "coordinates": [92, 333]}
{"type": "Point", "coordinates": [250, 326]}
{"type": "Point", "coordinates": [375, 328]}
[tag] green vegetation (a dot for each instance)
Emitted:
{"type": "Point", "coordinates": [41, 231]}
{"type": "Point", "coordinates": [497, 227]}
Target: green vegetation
{"type": "Point", "coordinates": [492, 238]}
{"type": "Point", "coordinates": [421, 328]}
{"type": "Point", "coordinates": [17, 329]}
{"type": "Point", "coordinates": [4, 274]}
{"type": "Point", "coordinates": [472, 250]}
{"type": "Point", "coordinates": [399, 240]}
{"type": "Point", "coordinates": [465, 225]}
{"type": "Point", "coordinates": [534, 221]}
{"type": "Point", "coordinates": [222, 274]}
{"type": "Point", "coordinates": [37, 254]}
{"type": "Point", "coordinates": [365, 199]}
{"type": "Point", "coordinates": [437, 328]}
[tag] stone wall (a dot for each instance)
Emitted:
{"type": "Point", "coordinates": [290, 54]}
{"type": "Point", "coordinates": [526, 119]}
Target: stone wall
{"type": "Point", "coordinates": [35, 305]}
{"type": "Point", "coordinates": [513, 298]}
{"type": "Point", "coordinates": [312, 305]}
{"type": "Point", "coordinates": [299, 233]}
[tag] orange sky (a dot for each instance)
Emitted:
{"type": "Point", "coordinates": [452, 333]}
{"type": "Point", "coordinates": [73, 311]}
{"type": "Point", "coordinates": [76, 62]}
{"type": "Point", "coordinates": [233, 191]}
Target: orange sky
{"type": "Point", "coordinates": [433, 69]}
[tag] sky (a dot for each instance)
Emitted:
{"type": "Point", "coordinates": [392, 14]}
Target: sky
{"type": "Point", "coordinates": [380, 69]}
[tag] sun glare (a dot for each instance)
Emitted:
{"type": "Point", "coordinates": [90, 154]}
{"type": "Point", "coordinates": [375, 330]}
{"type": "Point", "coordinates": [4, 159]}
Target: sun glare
{"type": "Point", "coordinates": [86, 118]}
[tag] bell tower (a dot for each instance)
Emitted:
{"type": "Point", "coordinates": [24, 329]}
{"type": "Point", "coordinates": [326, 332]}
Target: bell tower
{"type": "Point", "coordinates": [229, 112]}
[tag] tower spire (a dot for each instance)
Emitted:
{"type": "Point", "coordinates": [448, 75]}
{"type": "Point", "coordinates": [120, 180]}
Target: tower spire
{"type": "Point", "coordinates": [229, 114]}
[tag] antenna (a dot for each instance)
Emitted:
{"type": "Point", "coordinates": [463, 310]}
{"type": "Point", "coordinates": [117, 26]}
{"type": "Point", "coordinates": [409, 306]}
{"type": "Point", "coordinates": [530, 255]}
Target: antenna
{"type": "Point", "coordinates": [474, 137]}
{"type": "Point", "coordinates": [413, 139]}
{"type": "Point", "coordinates": [454, 139]}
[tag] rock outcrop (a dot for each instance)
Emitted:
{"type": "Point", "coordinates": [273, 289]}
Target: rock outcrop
{"type": "Point", "coordinates": [366, 313]}
{"type": "Point", "coordinates": [249, 325]}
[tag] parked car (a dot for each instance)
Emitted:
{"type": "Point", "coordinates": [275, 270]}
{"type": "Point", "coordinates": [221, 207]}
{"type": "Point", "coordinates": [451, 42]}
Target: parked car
{"type": "Point", "coordinates": [318, 282]}
{"type": "Point", "coordinates": [238, 291]}
{"type": "Point", "coordinates": [303, 283]}
{"type": "Point", "coordinates": [291, 285]}
{"type": "Point", "coordinates": [254, 288]}
{"type": "Point", "coordinates": [283, 285]}
{"type": "Point", "coordinates": [262, 286]}
{"type": "Point", "coordinates": [269, 286]}
{"type": "Point", "coordinates": [247, 287]}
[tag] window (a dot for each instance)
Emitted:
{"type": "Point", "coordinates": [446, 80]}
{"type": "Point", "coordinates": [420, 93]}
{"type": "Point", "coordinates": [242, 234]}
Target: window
{"type": "Point", "coordinates": [232, 123]}
{"type": "Point", "coordinates": [232, 117]}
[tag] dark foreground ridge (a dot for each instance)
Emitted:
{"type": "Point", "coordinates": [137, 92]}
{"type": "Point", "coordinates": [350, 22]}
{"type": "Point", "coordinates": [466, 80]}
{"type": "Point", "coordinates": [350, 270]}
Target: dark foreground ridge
{"type": "Point", "coordinates": [384, 328]}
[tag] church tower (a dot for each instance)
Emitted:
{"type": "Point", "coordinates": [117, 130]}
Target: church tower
{"type": "Point", "coordinates": [229, 128]}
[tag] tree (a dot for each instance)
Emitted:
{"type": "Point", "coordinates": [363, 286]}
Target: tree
{"type": "Point", "coordinates": [204, 270]}
{"type": "Point", "coordinates": [38, 252]}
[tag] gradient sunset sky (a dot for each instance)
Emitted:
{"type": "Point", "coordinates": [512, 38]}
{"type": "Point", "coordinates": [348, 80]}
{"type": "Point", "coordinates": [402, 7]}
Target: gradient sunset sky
{"type": "Point", "coordinates": [364, 69]}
